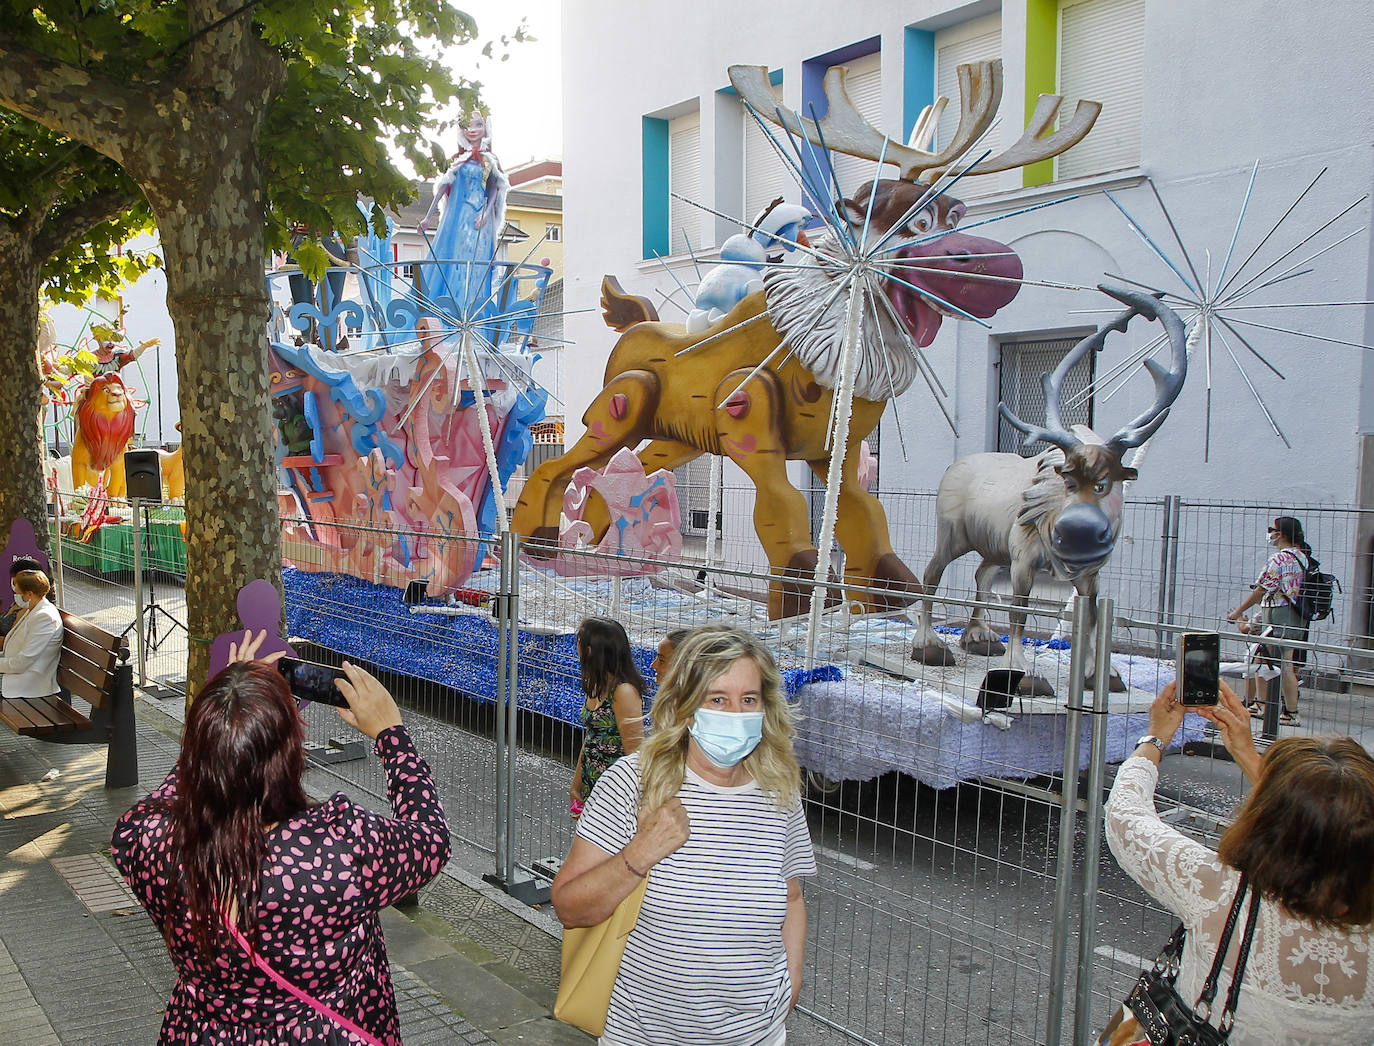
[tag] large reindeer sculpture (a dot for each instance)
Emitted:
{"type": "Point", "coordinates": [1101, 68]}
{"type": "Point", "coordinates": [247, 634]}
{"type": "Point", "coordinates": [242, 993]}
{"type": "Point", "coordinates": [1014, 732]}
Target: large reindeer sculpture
{"type": "Point", "coordinates": [758, 384]}
{"type": "Point", "coordinates": [1059, 511]}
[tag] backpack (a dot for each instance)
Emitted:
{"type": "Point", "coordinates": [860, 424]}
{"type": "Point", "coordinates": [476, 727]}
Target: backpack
{"type": "Point", "coordinates": [1317, 593]}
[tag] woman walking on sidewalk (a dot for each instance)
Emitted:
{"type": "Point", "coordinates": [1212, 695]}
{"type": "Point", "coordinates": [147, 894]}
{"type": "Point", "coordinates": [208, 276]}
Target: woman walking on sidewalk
{"type": "Point", "coordinates": [1277, 591]}
{"type": "Point", "coordinates": [269, 905]}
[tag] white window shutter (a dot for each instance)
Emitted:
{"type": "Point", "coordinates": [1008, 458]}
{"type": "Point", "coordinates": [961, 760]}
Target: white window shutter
{"type": "Point", "coordinates": [962, 49]}
{"type": "Point", "coordinates": [765, 176]}
{"type": "Point", "coordinates": [1101, 44]}
{"type": "Point", "coordinates": [864, 85]}
{"type": "Point", "coordinates": [684, 178]}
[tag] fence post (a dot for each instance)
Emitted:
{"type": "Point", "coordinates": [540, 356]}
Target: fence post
{"type": "Point", "coordinates": [1165, 540]}
{"type": "Point", "coordinates": [1175, 521]}
{"type": "Point", "coordinates": [138, 597]}
{"type": "Point", "coordinates": [503, 796]}
{"type": "Point", "coordinates": [1092, 850]}
{"type": "Point", "coordinates": [1068, 813]}
{"type": "Point", "coordinates": [522, 887]}
{"type": "Point", "coordinates": [58, 574]}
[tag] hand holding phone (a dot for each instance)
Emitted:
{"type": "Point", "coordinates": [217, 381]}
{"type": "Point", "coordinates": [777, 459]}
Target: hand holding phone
{"type": "Point", "coordinates": [1199, 668]}
{"type": "Point", "coordinates": [311, 681]}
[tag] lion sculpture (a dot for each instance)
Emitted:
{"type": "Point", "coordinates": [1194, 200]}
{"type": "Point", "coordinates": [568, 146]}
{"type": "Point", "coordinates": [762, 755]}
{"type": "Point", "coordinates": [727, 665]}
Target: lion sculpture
{"type": "Point", "coordinates": [104, 427]}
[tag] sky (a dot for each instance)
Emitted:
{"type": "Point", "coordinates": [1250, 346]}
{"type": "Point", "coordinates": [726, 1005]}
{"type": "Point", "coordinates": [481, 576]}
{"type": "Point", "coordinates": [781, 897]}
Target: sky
{"type": "Point", "coordinates": [523, 93]}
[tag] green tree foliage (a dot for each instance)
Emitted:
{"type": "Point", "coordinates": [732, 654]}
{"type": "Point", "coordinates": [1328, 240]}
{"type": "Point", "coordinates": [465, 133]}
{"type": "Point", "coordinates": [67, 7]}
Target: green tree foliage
{"type": "Point", "coordinates": [236, 118]}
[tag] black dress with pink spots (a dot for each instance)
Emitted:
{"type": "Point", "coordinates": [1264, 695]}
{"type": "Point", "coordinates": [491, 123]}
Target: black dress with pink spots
{"type": "Point", "coordinates": [328, 871]}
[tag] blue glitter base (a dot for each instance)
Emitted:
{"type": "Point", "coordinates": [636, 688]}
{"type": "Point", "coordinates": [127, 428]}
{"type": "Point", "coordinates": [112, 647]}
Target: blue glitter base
{"type": "Point", "coordinates": [373, 624]}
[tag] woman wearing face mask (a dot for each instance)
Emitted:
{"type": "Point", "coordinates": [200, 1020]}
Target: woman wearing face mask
{"type": "Point", "coordinates": [28, 667]}
{"type": "Point", "coordinates": [1277, 592]}
{"type": "Point", "coordinates": [709, 809]}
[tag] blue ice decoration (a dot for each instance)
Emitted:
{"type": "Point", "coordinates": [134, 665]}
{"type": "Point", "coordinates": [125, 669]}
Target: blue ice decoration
{"type": "Point", "coordinates": [371, 623]}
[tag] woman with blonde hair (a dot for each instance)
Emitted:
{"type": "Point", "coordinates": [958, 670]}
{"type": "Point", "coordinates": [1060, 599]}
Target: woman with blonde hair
{"type": "Point", "coordinates": [28, 666]}
{"type": "Point", "coordinates": [1303, 841]}
{"type": "Point", "coordinates": [710, 810]}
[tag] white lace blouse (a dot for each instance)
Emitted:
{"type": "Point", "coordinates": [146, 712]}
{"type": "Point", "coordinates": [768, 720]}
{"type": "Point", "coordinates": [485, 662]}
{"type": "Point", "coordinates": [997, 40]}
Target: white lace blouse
{"type": "Point", "coordinates": [1304, 986]}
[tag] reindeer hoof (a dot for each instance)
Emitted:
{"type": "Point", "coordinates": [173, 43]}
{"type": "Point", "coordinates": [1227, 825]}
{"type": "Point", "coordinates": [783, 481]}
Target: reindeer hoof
{"type": "Point", "coordinates": [983, 647]}
{"type": "Point", "coordinates": [1035, 686]}
{"type": "Point", "coordinates": [542, 543]}
{"type": "Point", "coordinates": [933, 653]}
{"type": "Point", "coordinates": [1114, 684]}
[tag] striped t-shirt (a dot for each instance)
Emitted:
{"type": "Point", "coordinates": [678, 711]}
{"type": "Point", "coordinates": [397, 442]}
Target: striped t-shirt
{"type": "Point", "coordinates": [705, 962]}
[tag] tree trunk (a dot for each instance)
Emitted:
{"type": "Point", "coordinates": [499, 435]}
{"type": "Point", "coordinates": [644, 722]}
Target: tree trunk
{"type": "Point", "coordinates": [22, 488]}
{"type": "Point", "coordinates": [213, 248]}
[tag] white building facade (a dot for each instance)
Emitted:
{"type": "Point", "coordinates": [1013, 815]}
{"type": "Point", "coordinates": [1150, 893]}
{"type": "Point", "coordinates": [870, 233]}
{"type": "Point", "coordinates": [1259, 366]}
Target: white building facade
{"type": "Point", "coordinates": [1193, 94]}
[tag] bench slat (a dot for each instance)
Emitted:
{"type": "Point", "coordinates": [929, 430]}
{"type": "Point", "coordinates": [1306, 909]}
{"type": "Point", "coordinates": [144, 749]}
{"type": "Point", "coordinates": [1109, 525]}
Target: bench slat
{"type": "Point", "coordinates": [80, 687]}
{"type": "Point", "coordinates": [32, 716]}
{"type": "Point", "coordinates": [79, 626]}
{"type": "Point", "coordinates": [100, 659]}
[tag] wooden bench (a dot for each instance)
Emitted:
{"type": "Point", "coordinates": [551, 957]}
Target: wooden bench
{"type": "Point", "coordinates": [94, 666]}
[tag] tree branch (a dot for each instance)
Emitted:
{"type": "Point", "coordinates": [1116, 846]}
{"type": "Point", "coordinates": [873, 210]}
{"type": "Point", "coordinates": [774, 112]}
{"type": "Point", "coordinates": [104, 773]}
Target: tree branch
{"type": "Point", "coordinates": [84, 106]}
{"type": "Point", "coordinates": [80, 219]}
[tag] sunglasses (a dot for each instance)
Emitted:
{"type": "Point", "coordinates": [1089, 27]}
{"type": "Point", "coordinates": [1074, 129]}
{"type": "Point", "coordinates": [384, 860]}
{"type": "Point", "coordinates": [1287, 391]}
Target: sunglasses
{"type": "Point", "coordinates": [1273, 530]}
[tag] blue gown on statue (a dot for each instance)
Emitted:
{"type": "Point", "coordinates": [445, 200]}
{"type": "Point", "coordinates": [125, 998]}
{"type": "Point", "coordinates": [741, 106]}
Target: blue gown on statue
{"type": "Point", "coordinates": [456, 242]}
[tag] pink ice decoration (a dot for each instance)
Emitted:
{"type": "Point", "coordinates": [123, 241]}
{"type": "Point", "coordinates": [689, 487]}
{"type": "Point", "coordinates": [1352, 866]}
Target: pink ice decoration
{"type": "Point", "coordinates": [868, 466]}
{"type": "Point", "coordinates": [645, 521]}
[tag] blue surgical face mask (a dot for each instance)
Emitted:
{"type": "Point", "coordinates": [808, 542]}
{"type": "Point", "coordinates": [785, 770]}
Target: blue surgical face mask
{"type": "Point", "coordinates": [726, 737]}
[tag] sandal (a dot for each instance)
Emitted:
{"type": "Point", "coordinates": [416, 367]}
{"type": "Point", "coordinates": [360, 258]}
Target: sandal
{"type": "Point", "coordinates": [1288, 718]}
{"type": "Point", "coordinates": [1256, 711]}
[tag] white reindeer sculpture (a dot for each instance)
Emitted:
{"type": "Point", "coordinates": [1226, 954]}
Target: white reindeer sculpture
{"type": "Point", "coordinates": [1059, 511]}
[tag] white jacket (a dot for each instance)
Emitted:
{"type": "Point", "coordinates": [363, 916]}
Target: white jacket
{"type": "Point", "coordinates": [28, 665]}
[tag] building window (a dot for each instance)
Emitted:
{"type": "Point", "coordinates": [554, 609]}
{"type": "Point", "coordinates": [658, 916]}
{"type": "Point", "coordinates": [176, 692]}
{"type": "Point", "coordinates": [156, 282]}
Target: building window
{"type": "Point", "coordinates": [1101, 45]}
{"type": "Point", "coordinates": [553, 232]}
{"type": "Point", "coordinates": [1020, 389]}
{"type": "Point", "coordinates": [974, 41]}
{"type": "Point", "coordinates": [684, 184]}
{"type": "Point", "coordinates": [765, 177]}
{"type": "Point", "coordinates": [863, 83]}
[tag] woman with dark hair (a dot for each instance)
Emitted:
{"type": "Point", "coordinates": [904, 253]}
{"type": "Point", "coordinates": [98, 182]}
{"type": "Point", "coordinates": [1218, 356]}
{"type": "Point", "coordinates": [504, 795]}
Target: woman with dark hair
{"type": "Point", "coordinates": [1305, 841]}
{"type": "Point", "coordinates": [1277, 592]}
{"type": "Point", "coordinates": [613, 712]}
{"type": "Point", "coordinates": [709, 809]}
{"type": "Point", "coordinates": [268, 904]}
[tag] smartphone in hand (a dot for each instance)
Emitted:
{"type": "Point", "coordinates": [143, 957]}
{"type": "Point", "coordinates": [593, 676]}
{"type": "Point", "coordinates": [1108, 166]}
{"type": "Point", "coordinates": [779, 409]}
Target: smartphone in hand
{"type": "Point", "coordinates": [311, 681]}
{"type": "Point", "coordinates": [1199, 668]}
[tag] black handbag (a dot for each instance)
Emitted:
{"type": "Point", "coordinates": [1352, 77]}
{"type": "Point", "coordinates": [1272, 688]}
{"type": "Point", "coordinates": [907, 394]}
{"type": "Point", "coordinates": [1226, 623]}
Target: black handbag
{"type": "Point", "coordinates": [1164, 1017]}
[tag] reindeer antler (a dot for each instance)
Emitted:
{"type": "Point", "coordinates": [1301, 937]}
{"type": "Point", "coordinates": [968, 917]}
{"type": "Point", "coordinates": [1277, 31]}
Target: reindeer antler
{"type": "Point", "coordinates": [1168, 380]}
{"type": "Point", "coordinates": [845, 130]}
{"type": "Point", "coordinates": [1168, 383]}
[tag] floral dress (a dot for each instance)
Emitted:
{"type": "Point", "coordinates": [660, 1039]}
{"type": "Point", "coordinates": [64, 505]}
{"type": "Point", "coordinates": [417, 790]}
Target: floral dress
{"type": "Point", "coordinates": [1305, 985]}
{"type": "Point", "coordinates": [328, 871]}
{"type": "Point", "coordinates": [602, 744]}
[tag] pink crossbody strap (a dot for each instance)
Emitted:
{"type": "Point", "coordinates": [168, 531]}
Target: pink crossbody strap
{"type": "Point", "coordinates": [314, 1003]}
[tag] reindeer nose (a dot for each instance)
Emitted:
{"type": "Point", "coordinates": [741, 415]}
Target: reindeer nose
{"type": "Point", "coordinates": [1082, 532]}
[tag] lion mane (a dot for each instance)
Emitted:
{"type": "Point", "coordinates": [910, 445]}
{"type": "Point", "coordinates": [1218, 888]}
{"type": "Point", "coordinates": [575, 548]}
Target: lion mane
{"type": "Point", "coordinates": [106, 432]}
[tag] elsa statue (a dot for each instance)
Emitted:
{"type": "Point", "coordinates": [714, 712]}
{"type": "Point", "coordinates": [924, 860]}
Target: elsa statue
{"type": "Point", "coordinates": [474, 193]}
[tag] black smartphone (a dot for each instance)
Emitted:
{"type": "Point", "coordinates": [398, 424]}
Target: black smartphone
{"type": "Point", "coordinates": [1199, 668]}
{"type": "Point", "coordinates": [311, 681]}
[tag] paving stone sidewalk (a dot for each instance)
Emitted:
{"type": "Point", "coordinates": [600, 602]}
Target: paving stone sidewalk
{"type": "Point", "coordinates": [81, 963]}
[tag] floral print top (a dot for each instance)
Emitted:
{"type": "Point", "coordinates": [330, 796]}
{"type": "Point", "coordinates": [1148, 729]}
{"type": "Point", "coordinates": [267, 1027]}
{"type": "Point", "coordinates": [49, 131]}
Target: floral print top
{"type": "Point", "coordinates": [328, 871]}
{"type": "Point", "coordinates": [1282, 577]}
{"type": "Point", "coordinates": [1305, 985]}
{"type": "Point", "coordinates": [602, 744]}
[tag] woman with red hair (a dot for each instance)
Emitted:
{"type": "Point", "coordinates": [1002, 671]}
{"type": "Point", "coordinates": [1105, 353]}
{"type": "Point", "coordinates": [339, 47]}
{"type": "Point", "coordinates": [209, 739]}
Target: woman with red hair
{"type": "Point", "coordinates": [269, 904]}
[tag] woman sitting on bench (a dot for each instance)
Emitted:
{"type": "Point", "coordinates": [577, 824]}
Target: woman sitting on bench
{"type": "Point", "coordinates": [28, 666]}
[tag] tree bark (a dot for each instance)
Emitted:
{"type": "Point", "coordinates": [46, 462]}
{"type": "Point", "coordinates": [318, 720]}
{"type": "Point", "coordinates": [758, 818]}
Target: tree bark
{"type": "Point", "coordinates": [22, 489]}
{"type": "Point", "coordinates": [189, 144]}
